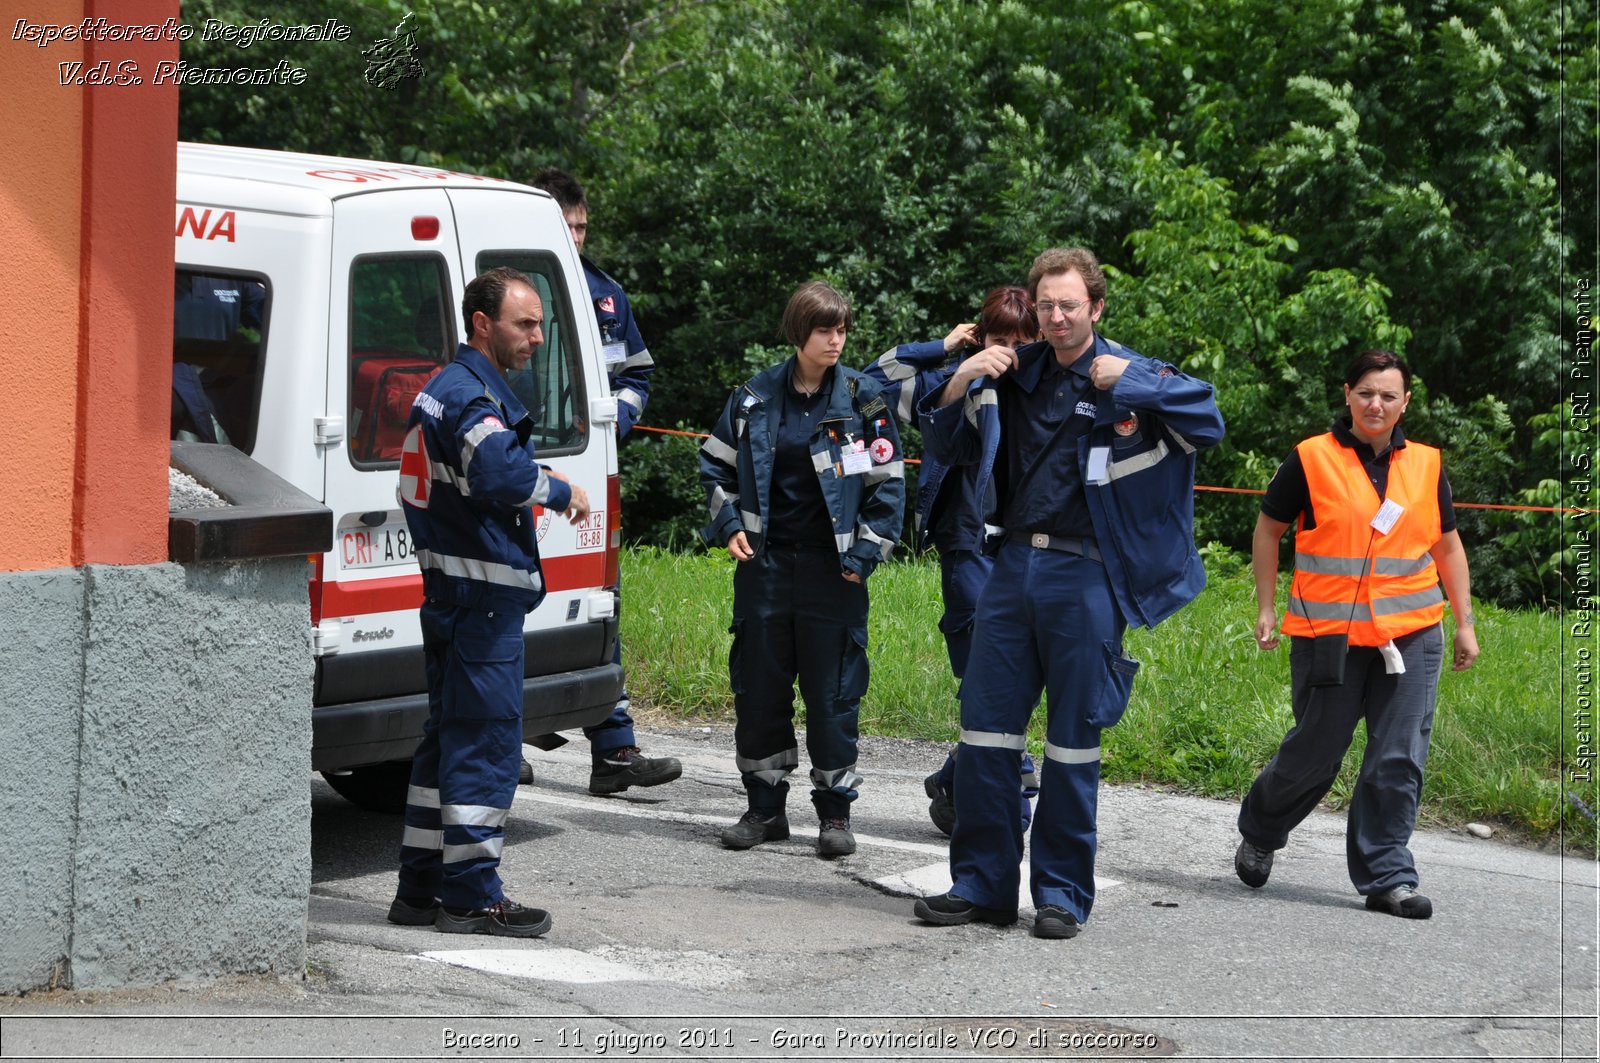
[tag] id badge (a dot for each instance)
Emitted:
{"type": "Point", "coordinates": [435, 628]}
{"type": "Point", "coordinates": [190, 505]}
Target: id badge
{"type": "Point", "coordinates": [1097, 473]}
{"type": "Point", "coordinates": [855, 462]}
{"type": "Point", "coordinates": [1387, 515]}
{"type": "Point", "coordinates": [614, 352]}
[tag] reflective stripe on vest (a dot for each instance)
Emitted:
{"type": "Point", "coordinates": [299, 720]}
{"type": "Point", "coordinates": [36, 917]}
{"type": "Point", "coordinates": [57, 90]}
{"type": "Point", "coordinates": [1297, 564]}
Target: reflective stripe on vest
{"type": "Point", "coordinates": [1347, 577]}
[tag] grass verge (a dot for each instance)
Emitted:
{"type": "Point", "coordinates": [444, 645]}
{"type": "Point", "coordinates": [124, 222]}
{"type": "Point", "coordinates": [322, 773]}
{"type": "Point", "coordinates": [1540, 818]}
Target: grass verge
{"type": "Point", "coordinates": [1208, 708]}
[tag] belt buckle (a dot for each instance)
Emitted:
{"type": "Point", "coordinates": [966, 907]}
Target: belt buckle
{"type": "Point", "coordinates": [1040, 540]}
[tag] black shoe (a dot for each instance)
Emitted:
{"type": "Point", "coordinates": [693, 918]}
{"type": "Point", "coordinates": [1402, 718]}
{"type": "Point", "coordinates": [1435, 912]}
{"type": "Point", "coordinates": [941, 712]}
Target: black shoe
{"type": "Point", "coordinates": [625, 767]}
{"type": "Point", "coordinates": [941, 809]}
{"type": "Point", "coordinates": [753, 828]}
{"type": "Point", "coordinates": [504, 919]}
{"type": "Point", "coordinates": [405, 913]}
{"type": "Point", "coordinates": [1252, 864]}
{"type": "Point", "coordinates": [948, 910]}
{"type": "Point", "coordinates": [525, 773]}
{"type": "Point", "coordinates": [1051, 921]}
{"type": "Point", "coordinates": [1403, 901]}
{"type": "Point", "coordinates": [835, 838]}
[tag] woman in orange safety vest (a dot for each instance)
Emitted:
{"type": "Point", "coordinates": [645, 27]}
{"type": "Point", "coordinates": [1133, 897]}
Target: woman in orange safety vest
{"type": "Point", "coordinates": [1375, 534]}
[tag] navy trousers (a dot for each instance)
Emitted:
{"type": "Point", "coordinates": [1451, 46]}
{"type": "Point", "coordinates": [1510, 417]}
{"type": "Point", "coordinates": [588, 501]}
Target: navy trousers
{"type": "Point", "coordinates": [1047, 621]}
{"type": "Point", "coordinates": [962, 576]}
{"type": "Point", "coordinates": [465, 771]}
{"type": "Point", "coordinates": [1383, 808]}
{"type": "Point", "coordinates": [795, 616]}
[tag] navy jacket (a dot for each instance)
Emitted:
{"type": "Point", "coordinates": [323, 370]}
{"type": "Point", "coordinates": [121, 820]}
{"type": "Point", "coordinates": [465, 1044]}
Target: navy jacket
{"type": "Point", "coordinates": [910, 373]}
{"type": "Point", "coordinates": [1151, 423]}
{"type": "Point", "coordinates": [866, 508]}
{"type": "Point", "coordinates": [468, 482]}
{"type": "Point", "coordinates": [628, 361]}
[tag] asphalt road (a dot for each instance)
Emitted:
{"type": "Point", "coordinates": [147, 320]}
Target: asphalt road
{"type": "Point", "coordinates": [665, 945]}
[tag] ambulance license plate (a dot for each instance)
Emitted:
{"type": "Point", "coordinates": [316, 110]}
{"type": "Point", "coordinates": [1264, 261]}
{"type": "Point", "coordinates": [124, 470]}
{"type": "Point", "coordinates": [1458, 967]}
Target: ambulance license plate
{"type": "Point", "coordinates": [388, 544]}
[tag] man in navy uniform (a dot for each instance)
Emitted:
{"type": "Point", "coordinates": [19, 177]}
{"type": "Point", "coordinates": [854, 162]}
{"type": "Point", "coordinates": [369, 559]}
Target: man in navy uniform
{"type": "Point", "coordinates": [1092, 449]}
{"type": "Point", "coordinates": [468, 484]}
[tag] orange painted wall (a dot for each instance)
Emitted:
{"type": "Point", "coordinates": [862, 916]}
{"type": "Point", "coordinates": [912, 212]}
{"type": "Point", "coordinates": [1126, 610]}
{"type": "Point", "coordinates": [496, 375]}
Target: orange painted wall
{"type": "Point", "coordinates": [86, 293]}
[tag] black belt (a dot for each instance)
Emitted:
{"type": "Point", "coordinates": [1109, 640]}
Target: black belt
{"type": "Point", "coordinates": [1041, 541]}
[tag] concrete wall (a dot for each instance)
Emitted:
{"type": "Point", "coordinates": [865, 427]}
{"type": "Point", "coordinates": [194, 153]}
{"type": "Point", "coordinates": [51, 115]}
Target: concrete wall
{"type": "Point", "coordinates": [154, 761]}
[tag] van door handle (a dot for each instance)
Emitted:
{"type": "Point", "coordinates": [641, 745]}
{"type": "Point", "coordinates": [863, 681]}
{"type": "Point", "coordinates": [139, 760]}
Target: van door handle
{"type": "Point", "coordinates": [328, 430]}
{"type": "Point", "coordinates": [603, 411]}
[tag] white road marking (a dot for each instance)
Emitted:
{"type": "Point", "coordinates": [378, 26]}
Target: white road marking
{"type": "Point", "coordinates": [934, 879]}
{"type": "Point", "coordinates": [546, 964]}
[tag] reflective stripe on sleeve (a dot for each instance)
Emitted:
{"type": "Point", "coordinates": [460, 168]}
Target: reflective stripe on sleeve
{"type": "Point", "coordinates": [751, 521]}
{"type": "Point", "coordinates": [885, 546]}
{"type": "Point", "coordinates": [631, 397]}
{"type": "Point", "coordinates": [641, 358]}
{"type": "Point", "coordinates": [720, 498]}
{"type": "Point", "coordinates": [423, 796]}
{"type": "Point", "coordinates": [476, 435]}
{"type": "Point", "coordinates": [995, 740]}
{"type": "Point", "coordinates": [718, 450]}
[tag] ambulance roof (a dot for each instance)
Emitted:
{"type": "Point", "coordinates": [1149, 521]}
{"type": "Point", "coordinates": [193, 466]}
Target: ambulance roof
{"type": "Point", "coordinates": [293, 183]}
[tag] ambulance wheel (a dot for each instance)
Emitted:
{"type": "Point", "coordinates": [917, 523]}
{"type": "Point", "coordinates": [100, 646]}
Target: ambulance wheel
{"type": "Point", "coordinates": [374, 787]}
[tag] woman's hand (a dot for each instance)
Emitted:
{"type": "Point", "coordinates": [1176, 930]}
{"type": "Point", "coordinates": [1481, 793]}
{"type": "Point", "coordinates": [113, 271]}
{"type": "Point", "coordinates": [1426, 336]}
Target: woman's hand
{"type": "Point", "coordinates": [853, 577]}
{"type": "Point", "coordinates": [961, 336]}
{"type": "Point", "coordinates": [739, 547]}
{"type": "Point", "coordinates": [1267, 629]}
{"type": "Point", "coordinates": [1466, 647]}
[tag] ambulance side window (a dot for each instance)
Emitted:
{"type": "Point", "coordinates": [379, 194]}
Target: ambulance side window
{"type": "Point", "coordinates": [551, 387]}
{"type": "Point", "coordinates": [401, 334]}
{"type": "Point", "coordinates": [219, 334]}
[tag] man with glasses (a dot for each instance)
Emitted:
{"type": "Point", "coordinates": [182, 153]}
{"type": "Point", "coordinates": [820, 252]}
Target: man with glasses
{"type": "Point", "coordinates": [1092, 452]}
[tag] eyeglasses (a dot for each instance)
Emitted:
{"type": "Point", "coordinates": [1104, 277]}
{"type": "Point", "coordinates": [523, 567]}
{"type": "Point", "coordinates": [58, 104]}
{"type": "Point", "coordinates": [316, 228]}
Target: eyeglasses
{"type": "Point", "coordinates": [1046, 308]}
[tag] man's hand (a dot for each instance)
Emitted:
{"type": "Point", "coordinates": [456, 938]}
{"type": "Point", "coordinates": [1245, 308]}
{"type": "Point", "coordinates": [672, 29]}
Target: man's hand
{"type": "Point", "coordinates": [577, 510]}
{"type": "Point", "coordinates": [1267, 629]}
{"type": "Point", "coordinates": [990, 362]}
{"type": "Point", "coordinates": [1106, 370]}
{"type": "Point", "coordinates": [739, 547]}
{"type": "Point", "coordinates": [961, 336]}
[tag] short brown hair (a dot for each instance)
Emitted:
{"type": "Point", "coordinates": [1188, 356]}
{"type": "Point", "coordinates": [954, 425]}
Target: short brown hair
{"type": "Point", "coordinates": [487, 291]}
{"type": "Point", "coordinates": [1064, 260]}
{"type": "Point", "coordinates": [814, 305]}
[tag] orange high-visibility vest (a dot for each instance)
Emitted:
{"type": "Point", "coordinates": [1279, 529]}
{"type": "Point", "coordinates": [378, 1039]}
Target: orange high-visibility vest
{"type": "Point", "coordinates": [1348, 577]}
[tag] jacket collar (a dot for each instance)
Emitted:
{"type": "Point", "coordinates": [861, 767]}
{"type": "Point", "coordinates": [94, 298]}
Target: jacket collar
{"type": "Point", "coordinates": [1035, 359]}
{"type": "Point", "coordinates": [769, 383]}
{"type": "Point", "coordinates": [494, 381]}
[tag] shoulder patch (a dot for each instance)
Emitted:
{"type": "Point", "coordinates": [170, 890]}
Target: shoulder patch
{"type": "Point", "coordinates": [876, 406]}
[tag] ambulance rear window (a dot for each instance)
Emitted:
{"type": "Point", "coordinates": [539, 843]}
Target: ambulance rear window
{"type": "Point", "coordinates": [551, 386]}
{"type": "Point", "coordinates": [219, 337]}
{"type": "Point", "coordinates": [400, 336]}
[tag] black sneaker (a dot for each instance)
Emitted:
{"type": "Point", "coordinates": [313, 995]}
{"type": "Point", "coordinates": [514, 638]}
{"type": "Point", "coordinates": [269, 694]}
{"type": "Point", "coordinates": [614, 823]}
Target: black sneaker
{"type": "Point", "coordinates": [504, 919]}
{"type": "Point", "coordinates": [1403, 901]}
{"type": "Point", "coordinates": [1052, 921]}
{"type": "Point", "coordinates": [941, 809]}
{"type": "Point", "coordinates": [625, 767]}
{"type": "Point", "coordinates": [835, 838]}
{"type": "Point", "coordinates": [753, 828]}
{"type": "Point", "coordinates": [525, 773]}
{"type": "Point", "coordinates": [949, 910]}
{"type": "Point", "coordinates": [406, 913]}
{"type": "Point", "coordinates": [1252, 864]}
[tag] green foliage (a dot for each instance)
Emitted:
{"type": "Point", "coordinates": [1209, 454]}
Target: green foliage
{"type": "Point", "coordinates": [1273, 189]}
{"type": "Point", "coordinates": [662, 502]}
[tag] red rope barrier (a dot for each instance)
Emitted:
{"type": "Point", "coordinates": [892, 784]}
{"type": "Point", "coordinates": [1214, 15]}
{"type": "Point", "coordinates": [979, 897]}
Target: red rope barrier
{"type": "Point", "coordinates": [1202, 487]}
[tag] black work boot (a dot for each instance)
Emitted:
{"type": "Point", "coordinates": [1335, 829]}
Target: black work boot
{"type": "Point", "coordinates": [621, 768]}
{"type": "Point", "coordinates": [753, 828]}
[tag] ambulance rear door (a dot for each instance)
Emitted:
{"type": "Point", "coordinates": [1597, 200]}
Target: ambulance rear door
{"type": "Point", "coordinates": [396, 286]}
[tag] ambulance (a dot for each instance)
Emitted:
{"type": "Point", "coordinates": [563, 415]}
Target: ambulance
{"type": "Point", "coordinates": [313, 298]}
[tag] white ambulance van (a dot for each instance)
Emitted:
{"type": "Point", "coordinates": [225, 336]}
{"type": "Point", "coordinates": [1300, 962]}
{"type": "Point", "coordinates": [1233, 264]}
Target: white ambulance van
{"type": "Point", "coordinates": [313, 298]}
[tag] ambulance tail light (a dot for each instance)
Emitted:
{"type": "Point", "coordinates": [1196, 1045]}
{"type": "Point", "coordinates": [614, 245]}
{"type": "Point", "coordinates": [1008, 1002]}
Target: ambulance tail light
{"type": "Point", "coordinates": [424, 227]}
{"type": "Point", "coordinates": [614, 532]}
